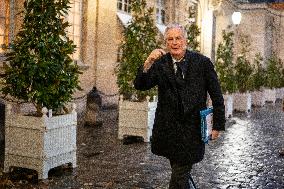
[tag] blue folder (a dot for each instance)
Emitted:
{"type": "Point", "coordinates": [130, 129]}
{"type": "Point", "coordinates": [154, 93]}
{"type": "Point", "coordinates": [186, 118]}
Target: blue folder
{"type": "Point", "coordinates": [206, 124]}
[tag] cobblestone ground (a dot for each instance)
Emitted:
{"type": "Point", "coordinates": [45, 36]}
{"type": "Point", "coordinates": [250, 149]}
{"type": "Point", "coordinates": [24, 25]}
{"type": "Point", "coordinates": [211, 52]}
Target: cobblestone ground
{"type": "Point", "coordinates": [245, 156]}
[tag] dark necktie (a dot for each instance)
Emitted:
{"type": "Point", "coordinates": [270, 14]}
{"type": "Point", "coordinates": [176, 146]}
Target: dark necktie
{"type": "Point", "coordinates": [180, 86]}
{"type": "Point", "coordinates": [179, 74]}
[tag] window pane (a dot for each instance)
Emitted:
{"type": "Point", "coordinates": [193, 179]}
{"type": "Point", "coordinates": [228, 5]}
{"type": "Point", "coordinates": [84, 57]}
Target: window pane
{"type": "Point", "coordinates": [119, 6]}
{"type": "Point", "coordinates": [125, 8]}
{"type": "Point", "coordinates": [163, 16]}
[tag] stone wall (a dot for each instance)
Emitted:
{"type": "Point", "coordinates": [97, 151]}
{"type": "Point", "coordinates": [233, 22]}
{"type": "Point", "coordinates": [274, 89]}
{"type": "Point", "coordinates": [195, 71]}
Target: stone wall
{"type": "Point", "coordinates": [107, 49]}
{"type": "Point", "coordinates": [263, 25]}
{"type": "Point", "coordinates": [109, 36]}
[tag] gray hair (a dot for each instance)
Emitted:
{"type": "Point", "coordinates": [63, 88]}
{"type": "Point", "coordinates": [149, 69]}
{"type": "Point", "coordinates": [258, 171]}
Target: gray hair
{"type": "Point", "coordinates": [175, 25]}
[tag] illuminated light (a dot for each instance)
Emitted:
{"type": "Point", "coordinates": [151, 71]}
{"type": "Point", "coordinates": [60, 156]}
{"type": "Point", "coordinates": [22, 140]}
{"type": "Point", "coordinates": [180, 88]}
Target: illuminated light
{"type": "Point", "coordinates": [236, 18]}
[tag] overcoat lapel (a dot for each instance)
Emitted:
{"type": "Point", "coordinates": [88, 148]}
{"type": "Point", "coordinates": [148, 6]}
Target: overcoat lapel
{"type": "Point", "coordinates": [169, 70]}
{"type": "Point", "coordinates": [188, 59]}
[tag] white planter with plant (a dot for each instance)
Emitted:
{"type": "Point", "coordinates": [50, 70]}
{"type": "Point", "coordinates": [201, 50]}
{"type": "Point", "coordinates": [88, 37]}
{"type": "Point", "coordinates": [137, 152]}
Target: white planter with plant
{"type": "Point", "coordinates": [225, 70]}
{"type": "Point", "coordinates": [242, 102]}
{"type": "Point", "coordinates": [270, 95]}
{"type": "Point", "coordinates": [39, 70]}
{"type": "Point", "coordinates": [274, 78]}
{"type": "Point", "coordinates": [40, 143]}
{"type": "Point", "coordinates": [258, 98]}
{"type": "Point", "coordinates": [243, 78]}
{"type": "Point", "coordinates": [136, 118]}
{"type": "Point", "coordinates": [136, 112]}
{"type": "Point", "coordinates": [258, 82]}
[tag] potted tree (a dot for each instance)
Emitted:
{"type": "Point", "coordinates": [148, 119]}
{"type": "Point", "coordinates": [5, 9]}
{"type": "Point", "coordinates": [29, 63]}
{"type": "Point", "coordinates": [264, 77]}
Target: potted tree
{"type": "Point", "coordinates": [136, 108]}
{"type": "Point", "coordinates": [273, 79]}
{"type": "Point", "coordinates": [40, 71]}
{"type": "Point", "coordinates": [258, 81]}
{"type": "Point", "coordinates": [244, 70]}
{"type": "Point", "coordinates": [225, 70]}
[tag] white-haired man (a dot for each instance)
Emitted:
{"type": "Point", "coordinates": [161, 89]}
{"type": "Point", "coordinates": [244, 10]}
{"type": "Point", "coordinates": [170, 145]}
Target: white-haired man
{"type": "Point", "coordinates": [183, 78]}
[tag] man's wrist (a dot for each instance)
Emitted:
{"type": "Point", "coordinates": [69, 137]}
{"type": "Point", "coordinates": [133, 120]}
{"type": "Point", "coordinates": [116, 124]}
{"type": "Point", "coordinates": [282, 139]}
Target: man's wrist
{"type": "Point", "coordinates": [147, 65]}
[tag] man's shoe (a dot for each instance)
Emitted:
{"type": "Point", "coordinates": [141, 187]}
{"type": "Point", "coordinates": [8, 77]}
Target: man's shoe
{"type": "Point", "coordinates": [281, 152]}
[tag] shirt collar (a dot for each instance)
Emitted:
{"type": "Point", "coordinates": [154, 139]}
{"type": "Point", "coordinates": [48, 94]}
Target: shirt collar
{"type": "Point", "coordinates": [175, 60]}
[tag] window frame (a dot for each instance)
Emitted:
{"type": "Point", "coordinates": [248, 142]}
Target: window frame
{"type": "Point", "coordinates": [124, 6]}
{"type": "Point", "coordinates": [74, 31]}
{"type": "Point", "coordinates": [160, 11]}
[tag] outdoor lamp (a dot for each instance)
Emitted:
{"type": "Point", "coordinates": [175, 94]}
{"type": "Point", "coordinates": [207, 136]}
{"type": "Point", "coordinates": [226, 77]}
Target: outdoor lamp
{"type": "Point", "coordinates": [236, 18]}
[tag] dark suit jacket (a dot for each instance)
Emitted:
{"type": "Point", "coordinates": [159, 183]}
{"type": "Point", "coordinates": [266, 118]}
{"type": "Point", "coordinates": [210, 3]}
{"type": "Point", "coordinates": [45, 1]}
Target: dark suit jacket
{"type": "Point", "coordinates": [176, 135]}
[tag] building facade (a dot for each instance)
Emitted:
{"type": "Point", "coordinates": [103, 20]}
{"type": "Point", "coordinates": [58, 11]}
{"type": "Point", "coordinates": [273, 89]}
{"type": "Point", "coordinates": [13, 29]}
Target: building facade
{"type": "Point", "coordinates": [97, 27]}
{"type": "Point", "coordinates": [262, 22]}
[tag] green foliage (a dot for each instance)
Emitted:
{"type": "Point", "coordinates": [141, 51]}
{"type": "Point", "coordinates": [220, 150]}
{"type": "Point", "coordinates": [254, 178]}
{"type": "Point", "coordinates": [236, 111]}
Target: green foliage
{"type": "Point", "coordinates": [282, 77]}
{"type": "Point", "coordinates": [39, 67]}
{"type": "Point", "coordinates": [243, 67]}
{"type": "Point", "coordinates": [224, 63]}
{"type": "Point", "coordinates": [274, 72]}
{"type": "Point", "coordinates": [139, 41]}
{"type": "Point", "coordinates": [193, 31]}
{"type": "Point", "coordinates": [259, 75]}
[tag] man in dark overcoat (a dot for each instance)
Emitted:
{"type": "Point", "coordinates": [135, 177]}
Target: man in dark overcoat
{"type": "Point", "coordinates": [184, 78]}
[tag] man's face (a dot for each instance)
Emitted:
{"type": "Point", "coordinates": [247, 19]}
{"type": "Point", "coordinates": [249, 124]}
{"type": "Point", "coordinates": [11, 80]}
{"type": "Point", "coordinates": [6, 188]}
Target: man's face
{"type": "Point", "coordinates": [175, 42]}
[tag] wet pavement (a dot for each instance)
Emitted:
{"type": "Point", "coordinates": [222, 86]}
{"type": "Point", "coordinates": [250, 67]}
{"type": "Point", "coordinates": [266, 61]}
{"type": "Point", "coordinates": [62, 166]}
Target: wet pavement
{"type": "Point", "coordinates": [245, 156]}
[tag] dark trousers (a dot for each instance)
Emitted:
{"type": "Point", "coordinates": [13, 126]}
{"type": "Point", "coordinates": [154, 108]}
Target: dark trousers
{"type": "Point", "coordinates": [181, 178]}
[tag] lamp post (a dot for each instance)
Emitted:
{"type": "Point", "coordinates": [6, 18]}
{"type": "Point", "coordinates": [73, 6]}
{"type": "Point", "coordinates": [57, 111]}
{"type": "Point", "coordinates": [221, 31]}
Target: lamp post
{"type": "Point", "coordinates": [236, 18]}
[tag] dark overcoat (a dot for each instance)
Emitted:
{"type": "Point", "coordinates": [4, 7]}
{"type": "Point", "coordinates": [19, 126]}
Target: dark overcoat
{"type": "Point", "coordinates": [176, 135]}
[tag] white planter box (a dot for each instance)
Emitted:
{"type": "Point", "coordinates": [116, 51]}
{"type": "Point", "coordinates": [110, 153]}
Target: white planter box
{"type": "Point", "coordinates": [242, 102]}
{"type": "Point", "coordinates": [39, 143]}
{"type": "Point", "coordinates": [279, 93]}
{"type": "Point", "coordinates": [136, 119]}
{"type": "Point", "coordinates": [270, 95]}
{"type": "Point", "coordinates": [228, 101]}
{"type": "Point", "coordinates": [258, 98]}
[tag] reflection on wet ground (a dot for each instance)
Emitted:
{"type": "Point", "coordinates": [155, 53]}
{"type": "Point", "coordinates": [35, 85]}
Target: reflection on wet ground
{"type": "Point", "coordinates": [245, 156]}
